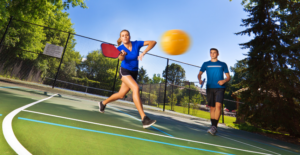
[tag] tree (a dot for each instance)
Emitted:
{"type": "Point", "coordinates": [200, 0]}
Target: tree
{"type": "Point", "coordinates": [173, 100]}
{"type": "Point", "coordinates": [143, 76]}
{"type": "Point", "coordinates": [184, 103]}
{"type": "Point", "coordinates": [176, 74]}
{"type": "Point", "coordinates": [157, 79]}
{"type": "Point", "coordinates": [25, 42]}
{"type": "Point", "coordinates": [236, 81]}
{"type": "Point", "coordinates": [99, 68]}
{"type": "Point", "coordinates": [196, 99]}
{"type": "Point", "coordinates": [273, 65]}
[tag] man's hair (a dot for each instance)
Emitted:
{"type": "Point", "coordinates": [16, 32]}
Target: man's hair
{"type": "Point", "coordinates": [214, 49]}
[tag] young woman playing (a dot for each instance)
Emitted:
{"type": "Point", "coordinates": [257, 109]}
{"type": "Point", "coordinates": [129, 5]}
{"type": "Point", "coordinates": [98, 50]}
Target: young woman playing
{"type": "Point", "coordinates": [130, 58]}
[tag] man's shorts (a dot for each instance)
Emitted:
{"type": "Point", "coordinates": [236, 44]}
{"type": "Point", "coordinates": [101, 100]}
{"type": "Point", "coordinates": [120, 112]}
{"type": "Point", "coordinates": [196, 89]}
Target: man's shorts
{"type": "Point", "coordinates": [126, 72]}
{"type": "Point", "coordinates": [215, 95]}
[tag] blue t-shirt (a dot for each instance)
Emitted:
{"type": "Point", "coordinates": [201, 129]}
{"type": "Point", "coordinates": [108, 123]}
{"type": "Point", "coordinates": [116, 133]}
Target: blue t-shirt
{"type": "Point", "coordinates": [131, 62]}
{"type": "Point", "coordinates": [215, 72]}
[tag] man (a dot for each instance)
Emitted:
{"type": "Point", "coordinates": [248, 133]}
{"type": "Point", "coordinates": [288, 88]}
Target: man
{"type": "Point", "coordinates": [215, 87]}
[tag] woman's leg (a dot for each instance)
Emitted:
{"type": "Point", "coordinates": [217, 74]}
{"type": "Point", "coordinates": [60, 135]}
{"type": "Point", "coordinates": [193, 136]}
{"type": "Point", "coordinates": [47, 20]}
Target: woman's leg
{"type": "Point", "coordinates": [122, 92]}
{"type": "Point", "coordinates": [130, 82]}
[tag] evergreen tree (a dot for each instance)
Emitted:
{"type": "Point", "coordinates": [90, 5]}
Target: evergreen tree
{"type": "Point", "coordinates": [273, 65]}
{"type": "Point", "coordinates": [143, 76]}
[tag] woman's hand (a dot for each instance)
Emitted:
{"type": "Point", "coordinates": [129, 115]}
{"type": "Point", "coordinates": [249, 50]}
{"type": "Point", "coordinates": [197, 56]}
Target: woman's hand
{"type": "Point", "coordinates": [150, 45]}
{"type": "Point", "coordinates": [140, 57]}
{"type": "Point", "coordinates": [122, 55]}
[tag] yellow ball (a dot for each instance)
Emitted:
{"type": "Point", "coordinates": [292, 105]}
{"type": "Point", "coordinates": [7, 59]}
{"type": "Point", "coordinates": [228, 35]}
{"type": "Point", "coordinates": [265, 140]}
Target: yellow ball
{"type": "Point", "coordinates": [175, 42]}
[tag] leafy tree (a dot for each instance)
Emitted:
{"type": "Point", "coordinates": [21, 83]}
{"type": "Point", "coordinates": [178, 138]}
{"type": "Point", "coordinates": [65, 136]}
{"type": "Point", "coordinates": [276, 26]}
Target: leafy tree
{"type": "Point", "coordinates": [273, 65]}
{"type": "Point", "coordinates": [99, 68]}
{"type": "Point", "coordinates": [172, 100]}
{"type": "Point", "coordinates": [157, 79]}
{"type": "Point", "coordinates": [176, 74]}
{"type": "Point", "coordinates": [25, 42]}
{"type": "Point", "coordinates": [184, 102]}
{"type": "Point", "coordinates": [196, 99]}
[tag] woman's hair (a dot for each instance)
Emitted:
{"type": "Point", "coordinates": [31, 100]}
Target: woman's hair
{"type": "Point", "coordinates": [119, 41]}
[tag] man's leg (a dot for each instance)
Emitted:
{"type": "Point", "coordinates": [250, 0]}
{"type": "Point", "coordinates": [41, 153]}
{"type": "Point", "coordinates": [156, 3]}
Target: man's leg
{"type": "Point", "coordinates": [212, 115]}
{"type": "Point", "coordinates": [218, 107]}
{"type": "Point", "coordinates": [217, 113]}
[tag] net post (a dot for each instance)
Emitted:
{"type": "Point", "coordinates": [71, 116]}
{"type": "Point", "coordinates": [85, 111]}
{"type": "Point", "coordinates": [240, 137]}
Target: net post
{"type": "Point", "coordinates": [7, 27]}
{"type": "Point", "coordinates": [166, 78]}
{"type": "Point", "coordinates": [61, 61]}
{"type": "Point", "coordinates": [113, 89]}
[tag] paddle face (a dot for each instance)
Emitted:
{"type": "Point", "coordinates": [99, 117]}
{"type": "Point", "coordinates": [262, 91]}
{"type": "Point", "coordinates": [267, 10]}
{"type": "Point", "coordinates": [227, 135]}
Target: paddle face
{"type": "Point", "coordinates": [110, 50]}
{"type": "Point", "coordinates": [203, 83]}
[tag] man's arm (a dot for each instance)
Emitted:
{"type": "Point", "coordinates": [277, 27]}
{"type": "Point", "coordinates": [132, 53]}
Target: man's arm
{"type": "Point", "coordinates": [228, 78]}
{"type": "Point", "coordinates": [199, 77]}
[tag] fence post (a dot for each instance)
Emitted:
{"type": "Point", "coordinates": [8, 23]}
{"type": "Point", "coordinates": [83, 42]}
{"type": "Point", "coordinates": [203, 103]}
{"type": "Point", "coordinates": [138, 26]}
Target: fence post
{"type": "Point", "coordinates": [158, 95]}
{"type": "Point", "coordinates": [166, 78]}
{"type": "Point", "coordinates": [113, 89]}
{"type": "Point", "coordinates": [61, 61]}
{"type": "Point", "coordinates": [3, 37]}
{"type": "Point", "coordinates": [189, 98]}
{"type": "Point", "coordinates": [222, 113]}
{"type": "Point", "coordinates": [172, 99]}
{"type": "Point", "coordinates": [149, 94]}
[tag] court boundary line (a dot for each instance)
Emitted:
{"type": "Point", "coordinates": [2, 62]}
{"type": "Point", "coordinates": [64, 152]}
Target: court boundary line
{"type": "Point", "coordinates": [196, 126]}
{"type": "Point", "coordinates": [256, 141]}
{"type": "Point", "coordinates": [120, 135]}
{"type": "Point", "coordinates": [248, 144]}
{"type": "Point", "coordinates": [206, 131]}
{"type": "Point", "coordinates": [8, 132]}
{"type": "Point", "coordinates": [199, 142]}
{"type": "Point", "coordinates": [83, 121]}
{"type": "Point", "coordinates": [139, 120]}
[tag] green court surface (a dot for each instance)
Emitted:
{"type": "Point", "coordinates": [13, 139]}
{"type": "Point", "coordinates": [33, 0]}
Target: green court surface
{"type": "Point", "coordinates": [72, 125]}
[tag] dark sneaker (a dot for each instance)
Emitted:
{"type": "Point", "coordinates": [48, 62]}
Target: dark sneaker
{"type": "Point", "coordinates": [147, 122]}
{"type": "Point", "coordinates": [212, 130]}
{"type": "Point", "coordinates": [101, 107]}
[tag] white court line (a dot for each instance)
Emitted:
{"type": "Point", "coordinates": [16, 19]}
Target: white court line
{"type": "Point", "coordinates": [9, 133]}
{"type": "Point", "coordinates": [232, 148]}
{"type": "Point", "coordinates": [249, 144]}
{"type": "Point", "coordinates": [78, 120]}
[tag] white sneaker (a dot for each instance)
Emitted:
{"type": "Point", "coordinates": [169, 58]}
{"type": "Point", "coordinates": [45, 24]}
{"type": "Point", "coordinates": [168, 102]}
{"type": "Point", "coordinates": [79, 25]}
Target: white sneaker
{"type": "Point", "coordinates": [212, 130]}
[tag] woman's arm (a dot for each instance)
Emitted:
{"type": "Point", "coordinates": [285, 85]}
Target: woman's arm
{"type": "Point", "coordinates": [150, 45]}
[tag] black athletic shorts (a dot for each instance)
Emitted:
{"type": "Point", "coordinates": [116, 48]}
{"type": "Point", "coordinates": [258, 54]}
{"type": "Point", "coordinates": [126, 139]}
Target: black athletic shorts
{"type": "Point", "coordinates": [126, 72]}
{"type": "Point", "coordinates": [215, 95]}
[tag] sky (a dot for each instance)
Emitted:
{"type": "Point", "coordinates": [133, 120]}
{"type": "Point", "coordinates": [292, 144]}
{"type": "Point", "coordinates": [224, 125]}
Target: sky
{"type": "Point", "coordinates": [210, 24]}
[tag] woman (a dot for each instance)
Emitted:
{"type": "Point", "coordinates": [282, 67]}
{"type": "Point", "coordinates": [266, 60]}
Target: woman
{"type": "Point", "coordinates": [128, 73]}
